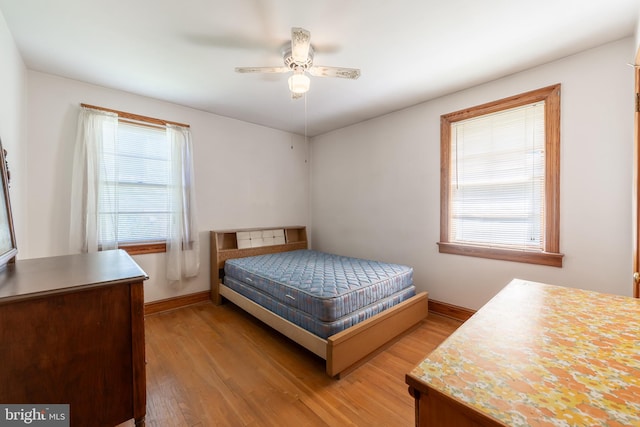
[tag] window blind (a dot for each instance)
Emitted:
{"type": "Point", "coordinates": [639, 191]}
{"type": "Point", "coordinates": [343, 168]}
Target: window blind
{"type": "Point", "coordinates": [498, 179]}
{"type": "Point", "coordinates": [137, 171]}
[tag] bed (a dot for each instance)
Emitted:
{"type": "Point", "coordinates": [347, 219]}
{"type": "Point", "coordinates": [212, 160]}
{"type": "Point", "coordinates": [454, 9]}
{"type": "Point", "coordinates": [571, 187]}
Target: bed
{"type": "Point", "coordinates": [340, 308]}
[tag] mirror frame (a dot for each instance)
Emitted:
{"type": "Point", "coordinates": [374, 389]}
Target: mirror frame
{"type": "Point", "coordinates": [8, 248]}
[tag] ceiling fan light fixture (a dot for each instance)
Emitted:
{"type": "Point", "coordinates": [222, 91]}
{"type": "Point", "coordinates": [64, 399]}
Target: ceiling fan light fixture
{"type": "Point", "coordinates": [298, 58]}
{"type": "Point", "coordinates": [299, 82]}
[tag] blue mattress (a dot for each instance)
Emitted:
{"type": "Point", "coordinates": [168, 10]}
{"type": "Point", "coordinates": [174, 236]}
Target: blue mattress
{"type": "Point", "coordinates": [311, 324]}
{"type": "Point", "coordinates": [326, 287]}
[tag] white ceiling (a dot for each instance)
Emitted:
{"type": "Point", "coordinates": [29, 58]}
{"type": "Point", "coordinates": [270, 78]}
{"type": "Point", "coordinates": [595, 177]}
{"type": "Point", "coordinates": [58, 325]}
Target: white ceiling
{"type": "Point", "coordinates": [409, 51]}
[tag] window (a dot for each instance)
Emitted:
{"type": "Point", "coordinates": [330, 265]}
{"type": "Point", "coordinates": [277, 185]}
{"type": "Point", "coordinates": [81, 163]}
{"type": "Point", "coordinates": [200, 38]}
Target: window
{"type": "Point", "coordinates": [500, 179]}
{"type": "Point", "coordinates": [137, 168]}
{"type": "Point", "coordinates": [133, 188]}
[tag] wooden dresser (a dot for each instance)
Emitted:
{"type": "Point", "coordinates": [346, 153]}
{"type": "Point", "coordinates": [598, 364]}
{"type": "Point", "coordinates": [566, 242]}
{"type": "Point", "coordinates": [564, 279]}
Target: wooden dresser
{"type": "Point", "coordinates": [72, 332]}
{"type": "Point", "coordinates": [536, 355]}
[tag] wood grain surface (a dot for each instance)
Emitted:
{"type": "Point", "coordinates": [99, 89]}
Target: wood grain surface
{"type": "Point", "coordinates": [216, 365]}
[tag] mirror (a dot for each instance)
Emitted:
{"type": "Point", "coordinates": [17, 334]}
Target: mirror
{"type": "Point", "coordinates": [8, 249]}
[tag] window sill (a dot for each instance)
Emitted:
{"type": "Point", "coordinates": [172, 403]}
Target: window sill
{"type": "Point", "coordinates": [541, 258]}
{"type": "Point", "coordinates": [144, 248]}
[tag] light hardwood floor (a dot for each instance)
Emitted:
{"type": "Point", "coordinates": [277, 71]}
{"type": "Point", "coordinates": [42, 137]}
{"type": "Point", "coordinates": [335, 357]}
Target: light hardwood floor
{"type": "Point", "coordinates": [217, 366]}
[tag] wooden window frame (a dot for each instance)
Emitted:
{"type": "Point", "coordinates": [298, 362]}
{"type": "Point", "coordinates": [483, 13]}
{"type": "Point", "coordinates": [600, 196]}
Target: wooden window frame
{"type": "Point", "coordinates": [551, 255]}
{"type": "Point", "coordinates": [142, 248]}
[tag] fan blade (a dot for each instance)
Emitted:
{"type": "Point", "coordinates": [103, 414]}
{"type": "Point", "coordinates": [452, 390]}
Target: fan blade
{"type": "Point", "coordinates": [300, 42]}
{"type": "Point", "coordinates": [262, 69]}
{"type": "Point", "coordinates": [233, 41]}
{"type": "Point", "coordinates": [345, 73]}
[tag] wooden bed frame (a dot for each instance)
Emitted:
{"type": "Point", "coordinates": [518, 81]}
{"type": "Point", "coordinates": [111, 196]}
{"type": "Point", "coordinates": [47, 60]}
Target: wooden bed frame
{"type": "Point", "coordinates": [342, 351]}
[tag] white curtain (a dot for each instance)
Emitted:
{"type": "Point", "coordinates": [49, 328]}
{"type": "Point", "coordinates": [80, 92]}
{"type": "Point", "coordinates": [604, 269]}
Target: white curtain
{"type": "Point", "coordinates": [96, 129]}
{"type": "Point", "coordinates": [183, 246]}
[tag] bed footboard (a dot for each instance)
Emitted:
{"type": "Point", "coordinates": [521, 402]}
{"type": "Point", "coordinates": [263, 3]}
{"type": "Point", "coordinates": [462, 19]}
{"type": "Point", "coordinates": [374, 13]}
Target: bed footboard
{"type": "Point", "coordinates": [345, 349]}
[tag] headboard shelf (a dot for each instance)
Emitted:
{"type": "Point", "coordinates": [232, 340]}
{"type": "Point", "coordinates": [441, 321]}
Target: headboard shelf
{"type": "Point", "coordinates": [244, 242]}
{"type": "Point", "coordinates": [227, 241]}
{"type": "Point", "coordinates": [296, 234]}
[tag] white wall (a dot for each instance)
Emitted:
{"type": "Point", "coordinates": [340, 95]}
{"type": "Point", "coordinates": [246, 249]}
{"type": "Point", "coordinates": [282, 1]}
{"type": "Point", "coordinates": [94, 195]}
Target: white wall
{"type": "Point", "coordinates": [246, 175]}
{"type": "Point", "coordinates": [13, 124]}
{"type": "Point", "coordinates": [376, 185]}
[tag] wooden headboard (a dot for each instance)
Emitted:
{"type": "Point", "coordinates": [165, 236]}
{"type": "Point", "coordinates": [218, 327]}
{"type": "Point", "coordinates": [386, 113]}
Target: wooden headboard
{"type": "Point", "coordinates": [230, 244]}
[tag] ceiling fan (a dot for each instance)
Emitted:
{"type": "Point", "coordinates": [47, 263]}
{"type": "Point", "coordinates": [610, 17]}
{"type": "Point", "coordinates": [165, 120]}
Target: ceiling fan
{"type": "Point", "coordinates": [298, 59]}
